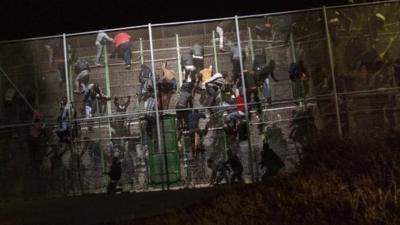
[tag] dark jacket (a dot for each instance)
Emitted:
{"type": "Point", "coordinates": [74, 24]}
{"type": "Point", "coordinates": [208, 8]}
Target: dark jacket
{"type": "Point", "coordinates": [145, 73]}
{"type": "Point", "coordinates": [185, 99]}
{"type": "Point", "coordinates": [187, 59]}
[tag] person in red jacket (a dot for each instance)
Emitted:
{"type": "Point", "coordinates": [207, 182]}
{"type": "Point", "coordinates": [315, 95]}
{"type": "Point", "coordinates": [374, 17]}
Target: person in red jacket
{"type": "Point", "coordinates": [123, 47]}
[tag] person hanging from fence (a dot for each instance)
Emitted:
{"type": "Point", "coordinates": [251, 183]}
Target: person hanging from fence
{"type": "Point", "coordinates": [221, 28]}
{"type": "Point", "coordinates": [275, 137]}
{"type": "Point", "coordinates": [64, 119]}
{"type": "Point", "coordinates": [82, 69]}
{"type": "Point", "coordinates": [123, 48]}
{"type": "Point", "coordinates": [120, 125]}
{"type": "Point", "coordinates": [204, 75]}
{"type": "Point", "coordinates": [264, 31]}
{"type": "Point", "coordinates": [146, 81]}
{"type": "Point", "coordinates": [375, 23]}
{"type": "Point", "coordinates": [219, 172]}
{"type": "Point", "coordinates": [55, 51]}
{"type": "Point", "coordinates": [114, 173]}
{"type": "Point", "coordinates": [263, 72]}
{"type": "Point", "coordinates": [270, 161]}
{"type": "Point", "coordinates": [303, 128]}
{"type": "Point", "coordinates": [36, 142]}
{"type": "Point", "coordinates": [251, 91]}
{"type": "Point", "coordinates": [196, 134]}
{"type": "Point", "coordinates": [101, 40]}
{"type": "Point", "coordinates": [188, 68]}
{"type": "Point", "coordinates": [166, 86]}
{"type": "Point", "coordinates": [235, 125]}
{"type": "Point", "coordinates": [92, 92]}
{"type": "Point", "coordinates": [239, 113]}
{"type": "Point", "coordinates": [235, 60]}
{"type": "Point", "coordinates": [298, 74]}
{"type": "Point", "coordinates": [234, 164]}
{"type": "Point", "coordinates": [185, 101]}
{"type": "Point", "coordinates": [150, 115]}
{"type": "Point", "coordinates": [213, 88]}
{"type": "Point", "coordinates": [168, 77]}
{"type": "Point", "coordinates": [198, 57]}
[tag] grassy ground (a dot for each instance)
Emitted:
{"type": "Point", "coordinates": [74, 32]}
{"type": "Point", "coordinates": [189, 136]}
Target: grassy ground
{"type": "Point", "coordinates": [337, 182]}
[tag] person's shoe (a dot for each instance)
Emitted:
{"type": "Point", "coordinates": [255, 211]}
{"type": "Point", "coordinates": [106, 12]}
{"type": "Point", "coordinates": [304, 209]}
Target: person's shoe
{"type": "Point", "coordinates": [223, 50]}
{"type": "Point", "coordinates": [128, 67]}
{"type": "Point", "coordinates": [97, 64]}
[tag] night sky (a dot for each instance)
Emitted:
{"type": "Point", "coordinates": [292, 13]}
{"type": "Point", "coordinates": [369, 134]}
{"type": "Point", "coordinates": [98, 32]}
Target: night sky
{"type": "Point", "coordinates": [33, 18]}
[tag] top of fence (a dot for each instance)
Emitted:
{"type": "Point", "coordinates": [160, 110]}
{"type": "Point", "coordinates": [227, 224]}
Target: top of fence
{"type": "Point", "coordinates": [202, 21]}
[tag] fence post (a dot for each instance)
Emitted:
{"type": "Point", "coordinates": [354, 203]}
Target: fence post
{"type": "Point", "coordinates": [157, 113]}
{"type": "Point", "coordinates": [332, 70]}
{"type": "Point", "coordinates": [245, 100]}
{"type": "Point", "coordinates": [215, 52]}
{"type": "Point", "coordinates": [178, 56]}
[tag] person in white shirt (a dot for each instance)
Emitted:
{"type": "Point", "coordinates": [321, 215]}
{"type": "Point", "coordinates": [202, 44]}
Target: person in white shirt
{"type": "Point", "coordinates": [101, 40]}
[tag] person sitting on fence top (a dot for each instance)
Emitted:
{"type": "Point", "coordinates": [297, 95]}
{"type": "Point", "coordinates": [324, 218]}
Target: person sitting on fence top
{"type": "Point", "coordinates": [123, 47]}
{"type": "Point", "coordinates": [101, 40]}
{"type": "Point", "coordinates": [82, 70]}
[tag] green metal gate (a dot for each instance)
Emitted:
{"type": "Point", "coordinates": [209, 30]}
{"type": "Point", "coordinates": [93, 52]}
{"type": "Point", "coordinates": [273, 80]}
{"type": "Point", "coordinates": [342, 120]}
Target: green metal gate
{"type": "Point", "coordinates": [166, 161]}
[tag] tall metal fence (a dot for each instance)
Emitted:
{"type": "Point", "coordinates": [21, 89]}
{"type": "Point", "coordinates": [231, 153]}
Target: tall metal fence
{"type": "Point", "coordinates": [73, 109]}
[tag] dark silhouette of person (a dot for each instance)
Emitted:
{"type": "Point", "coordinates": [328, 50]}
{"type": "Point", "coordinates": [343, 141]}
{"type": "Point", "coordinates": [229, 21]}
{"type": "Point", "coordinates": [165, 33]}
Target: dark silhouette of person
{"type": "Point", "coordinates": [234, 163]}
{"type": "Point", "coordinates": [115, 175]}
{"type": "Point", "coordinates": [271, 161]}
